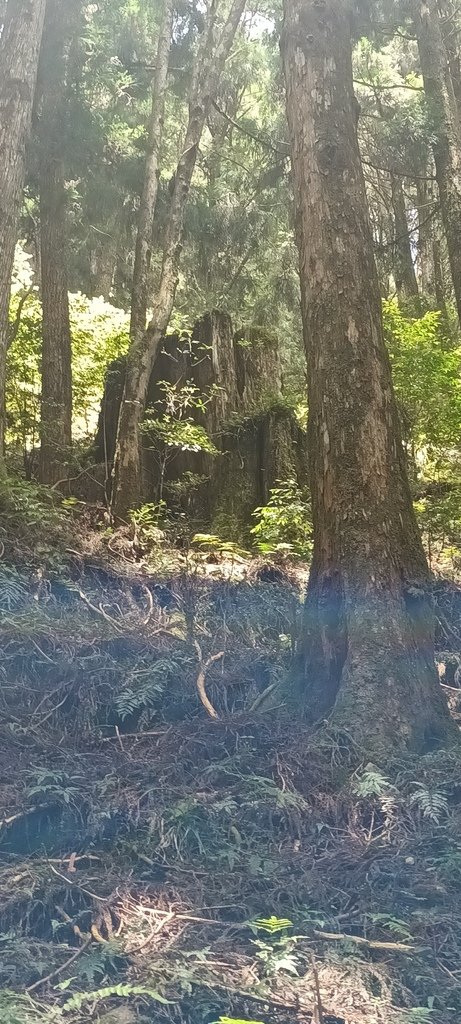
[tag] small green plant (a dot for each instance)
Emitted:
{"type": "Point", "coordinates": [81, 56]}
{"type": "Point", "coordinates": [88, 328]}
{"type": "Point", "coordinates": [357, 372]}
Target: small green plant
{"type": "Point", "coordinates": [98, 962]}
{"type": "Point", "coordinates": [18, 1009]}
{"type": "Point", "coordinates": [392, 924]}
{"type": "Point", "coordinates": [271, 924]}
{"type": "Point", "coordinates": [146, 687]}
{"type": "Point", "coordinates": [257, 788]}
{"type": "Point", "coordinates": [371, 783]}
{"type": "Point", "coordinates": [279, 955]}
{"type": "Point", "coordinates": [431, 804]}
{"type": "Point", "coordinates": [211, 542]}
{"type": "Point", "coordinates": [236, 1020]}
{"type": "Point", "coordinates": [284, 524]}
{"type": "Point", "coordinates": [148, 521]}
{"type": "Point", "coordinates": [47, 784]}
{"type": "Point", "coordinates": [172, 429]}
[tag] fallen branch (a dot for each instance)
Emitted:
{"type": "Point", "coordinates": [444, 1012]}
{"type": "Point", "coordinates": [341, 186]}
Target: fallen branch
{"type": "Point", "coordinates": [134, 735]}
{"type": "Point", "coordinates": [204, 666]}
{"type": "Point", "coordinates": [99, 611]}
{"type": "Point", "coordinates": [54, 974]}
{"type": "Point", "coordinates": [23, 814]}
{"type": "Point", "coordinates": [360, 941]}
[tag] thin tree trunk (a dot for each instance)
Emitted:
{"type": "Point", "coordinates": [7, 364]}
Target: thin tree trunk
{"type": "Point", "coordinates": [404, 270]}
{"type": "Point", "coordinates": [19, 50]}
{"type": "Point", "coordinates": [442, 288]}
{"type": "Point", "coordinates": [142, 258]}
{"type": "Point", "coordinates": [425, 227]}
{"type": "Point", "coordinates": [141, 356]}
{"type": "Point", "coordinates": [438, 276]}
{"type": "Point", "coordinates": [446, 124]}
{"type": "Point", "coordinates": [367, 646]}
{"type": "Point", "coordinates": [103, 261]}
{"type": "Point", "coordinates": [56, 400]}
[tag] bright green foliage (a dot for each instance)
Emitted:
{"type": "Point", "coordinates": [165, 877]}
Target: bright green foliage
{"type": "Point", "coordinates": [272, 924]}
{"type": "Point", "coordinates": [278, 955]}
{"type": "Point", "coordinates": [439, 518]}
{"type": "Point", "coordinates": [371, 782]}
{"type": "Point", "coordinates": [80, 998]}
{"type": "Point", "coordinates": [284, 524]}
{"type": "Point", "coordinates": [18, 1009]}
{"type": "Point", "coordinates": [211, 542]}
{"type": "Point", "coordinates": [171, 429]}
{"type": "Point", "coordinates": [182, 435]}
{"type": "Point", "coordinates": [427, 379]}
{"type": "Point", "coordinates": [236, 1020]}
{"type": "Point", "coordinates": [99, 335]}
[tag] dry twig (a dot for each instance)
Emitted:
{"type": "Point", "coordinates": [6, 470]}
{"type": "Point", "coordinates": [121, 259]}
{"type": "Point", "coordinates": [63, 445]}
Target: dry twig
{"type": "Point", "coordinates": [204, 666]}
{"type": "Point", "coordinates": [54, 974]}
{"type": "Point", "coordinates": [360, 941]}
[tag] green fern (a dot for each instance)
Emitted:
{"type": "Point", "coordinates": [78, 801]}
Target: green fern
{"type": "Point", "coordinates": [146, 687]}
{"type": "Point", "coordinates": [98, 961]}
{"type": "Point", "coordinates": [432, 805]}
{"type": "Point", "coordinates": [19, 1009]}
{"type": "Point", "coordinates": [271, 924]}
{"type": "Point", "coordinates": [371, 783]}
{"type": "Point", "coordinates": [80, 998]}
{"type": "Point", "coordinates": [393, 924]}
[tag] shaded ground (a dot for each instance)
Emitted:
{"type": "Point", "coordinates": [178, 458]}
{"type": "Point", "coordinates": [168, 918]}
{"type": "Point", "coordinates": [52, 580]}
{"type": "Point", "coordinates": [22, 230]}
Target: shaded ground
{"type": "Point", "coordinates": [243, 867]}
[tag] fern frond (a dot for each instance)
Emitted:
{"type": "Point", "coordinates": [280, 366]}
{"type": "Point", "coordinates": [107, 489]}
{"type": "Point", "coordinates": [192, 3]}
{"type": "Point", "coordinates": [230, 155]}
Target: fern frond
{"type": "Point", "coordinates": [431, 804]}
{"type": "Point", "coordinates": [79, 998]}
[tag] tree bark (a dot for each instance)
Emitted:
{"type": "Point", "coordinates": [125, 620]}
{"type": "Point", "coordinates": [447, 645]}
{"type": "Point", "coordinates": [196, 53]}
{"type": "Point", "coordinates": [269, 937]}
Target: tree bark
{"type": "Point", "coordinates": [141, 356]}
{"type": "Point", "coordinates": [404, 270]}
{"type": "Point", "coordinates": [438, 86]}
{"type": "Point", "coordinates": [19, 50]}
{"type": "Point", "coordinates": [142, 258]}
{"type": "Point", "coordinates": [367, 644]}
{"type": "Point", "coordinates": [449, 13]}
{"type": "Point", "coordinates": [103, 260]}
{"type": "Point", "coordinates": [56, 398]}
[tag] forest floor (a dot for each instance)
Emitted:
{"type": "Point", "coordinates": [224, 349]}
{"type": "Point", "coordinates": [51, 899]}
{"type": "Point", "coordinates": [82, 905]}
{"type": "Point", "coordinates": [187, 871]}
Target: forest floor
{"type": "Point", "coordinates": [157, 864]}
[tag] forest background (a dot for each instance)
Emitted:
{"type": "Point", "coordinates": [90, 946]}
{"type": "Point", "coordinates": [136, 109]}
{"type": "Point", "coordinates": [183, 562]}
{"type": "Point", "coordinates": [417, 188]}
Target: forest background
{"type": "Point", "coordinates": [178, 842]}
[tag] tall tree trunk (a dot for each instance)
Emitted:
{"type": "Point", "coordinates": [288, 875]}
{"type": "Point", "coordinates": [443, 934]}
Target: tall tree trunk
{"type": "Point", "coordinates": [141, 356]}
{"type": "Point", "coordinates": [19, 50]}
{"type": "Point", "coordinates": [446, 125]}
{"type": "Point", "coordinates": [142, 258]}
{"type": "Point", "coordinates": [367, 646]}
{"type": "Point", "coordinates": [449, 13]}
{"type": "Point", "coordinates": [404, 270]}
{"type": "Point", "coordinates": [56, 400]}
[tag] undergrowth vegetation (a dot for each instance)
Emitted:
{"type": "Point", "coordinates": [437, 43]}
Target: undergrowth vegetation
{"type": "Point", "coordinates": [158, 865]}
